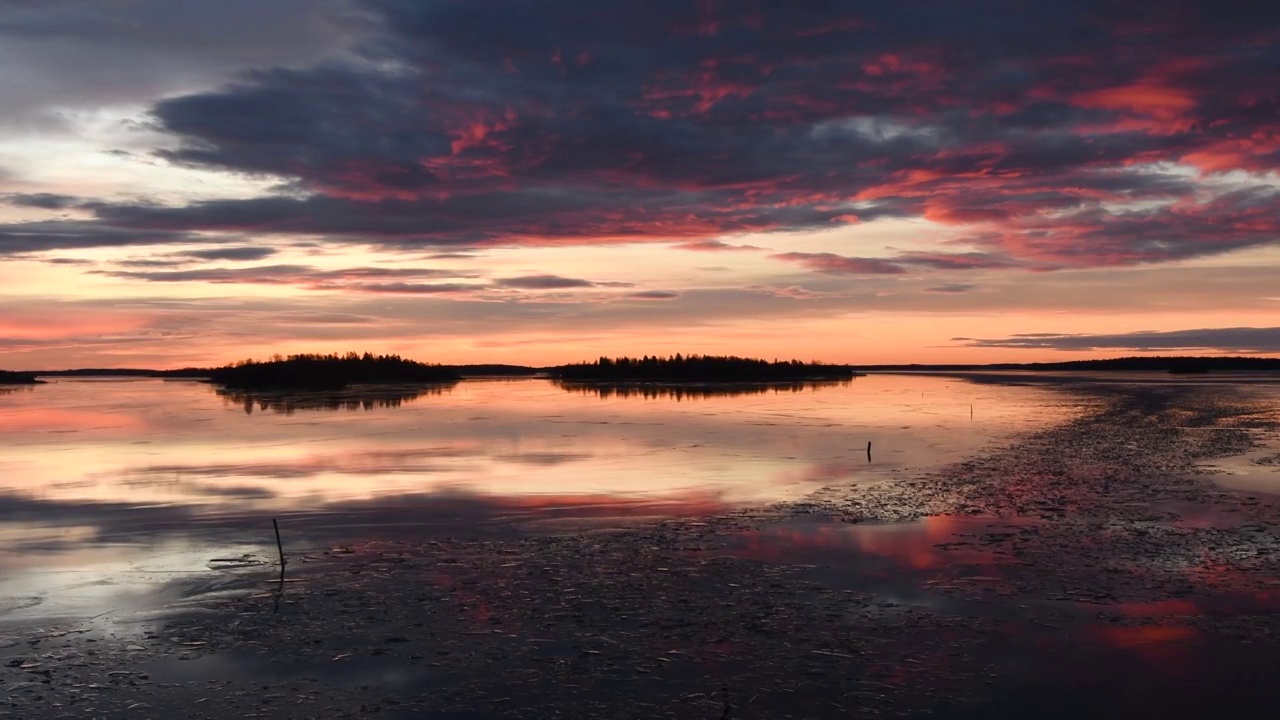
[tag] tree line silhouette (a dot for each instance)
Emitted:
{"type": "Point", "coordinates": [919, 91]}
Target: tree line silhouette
{"type": "Point", "coordinates": [650, 391]}
{"type": "Point", "coordinates": [328, 372]}
{"type": "Point", "coordinates": [334, 371]}
{"type": "Point", "coordinates": [17, 378]}
{"type": "Point", "coordinates": [699, 368]}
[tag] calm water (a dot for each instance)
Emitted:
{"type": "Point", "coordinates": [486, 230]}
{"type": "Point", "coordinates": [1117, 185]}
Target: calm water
{"type": "Point", "coordinates": [116, 495]}
{"type": "Point", "coordinates": [102, 481]}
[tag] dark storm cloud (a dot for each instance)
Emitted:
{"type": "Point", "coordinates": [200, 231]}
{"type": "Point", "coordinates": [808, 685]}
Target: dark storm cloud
{"type": "Point", "coordinates": [1241, 339]}
{"type": "Point", "coordinates": [533, 216]}
{"type": "Point", "coordinates": [464, 123]}
{"type": "Point", "coordinates": [65, 55]}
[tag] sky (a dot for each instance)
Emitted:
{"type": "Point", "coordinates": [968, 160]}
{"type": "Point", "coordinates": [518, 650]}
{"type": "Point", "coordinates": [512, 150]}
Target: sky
{"type": "Point", "coordinates": [192, 183]}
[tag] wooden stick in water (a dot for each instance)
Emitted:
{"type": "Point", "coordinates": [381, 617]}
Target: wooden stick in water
{"type": "Point", "coordinates": [868, 451]}
{"type": "Point", "coordinates": [279, 547]}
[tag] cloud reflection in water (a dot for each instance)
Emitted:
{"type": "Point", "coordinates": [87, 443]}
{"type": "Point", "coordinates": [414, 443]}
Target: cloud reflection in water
{"type": "Point", "coordinates": [89, 463]}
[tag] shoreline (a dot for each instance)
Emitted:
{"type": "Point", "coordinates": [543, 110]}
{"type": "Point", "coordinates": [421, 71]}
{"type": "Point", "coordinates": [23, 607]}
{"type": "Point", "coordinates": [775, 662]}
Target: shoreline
{"type": "Point", "coordinates": [757, 613]}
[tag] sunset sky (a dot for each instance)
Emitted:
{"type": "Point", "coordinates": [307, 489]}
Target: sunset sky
{"type": "Point", "coordinates": [185, 182]}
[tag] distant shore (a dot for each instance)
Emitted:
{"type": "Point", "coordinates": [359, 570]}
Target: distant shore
{"type": "Point", "coordinates": [699, 369]}
{"type": "Point", "coordinates": [1086, 376]}
{"type": "Point", "coordinates": [680, 368]}
{"type": "Point", "coordinates": [18, 378]}
{"type": "Point", "coordinates": [329, 372]}
{"type": "Point", "coordinates": [1173, 364]}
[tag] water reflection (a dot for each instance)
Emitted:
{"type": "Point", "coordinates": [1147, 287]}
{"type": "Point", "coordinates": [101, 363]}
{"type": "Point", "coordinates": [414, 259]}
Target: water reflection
{"type": "Point", "coordinates": [146, 443]}
{"type": "Point", "coordinates": [435, 514]}
{"type": "Point", "coordinates": [351, 399]}
{"type": "Point", "coordinates": [143, 480]}
{"type": "Point", "coordinates": [681, 391]}
{"type": "Point", "coordinates": [10, 389]}
{"type": "Point", "coordinates": [93, 464]}
{"type": "Point", "coordinates": [910, 561]}
{"type": "Point", "coordinates": [1257, 471]}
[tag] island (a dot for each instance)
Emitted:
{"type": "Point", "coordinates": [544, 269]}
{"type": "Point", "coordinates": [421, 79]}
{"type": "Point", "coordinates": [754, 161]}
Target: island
{"type": "Point", "coordinates": [18, 378]}
{"type": "Point", "coordinates": [329, 372]}
{"type": "Point", "coordinates": [699, 369]}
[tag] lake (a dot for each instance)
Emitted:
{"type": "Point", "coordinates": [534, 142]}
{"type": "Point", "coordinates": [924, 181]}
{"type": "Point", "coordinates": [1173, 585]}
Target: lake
{"type": "Point", "coordinates": [109, 484]}
{"type": "Point", "coordinates": [505, 546]}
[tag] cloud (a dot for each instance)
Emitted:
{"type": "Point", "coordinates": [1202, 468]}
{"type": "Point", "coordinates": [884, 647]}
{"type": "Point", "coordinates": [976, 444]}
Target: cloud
{"type": "Point", "coordinates": [453, 511]}
{"type": "Point", "coordinates": [954, 261]}
{"type": "Point", "coordinates": [1095, 237]}
{"type": "Point", "coordinates": [262, 274]}
{"type": "Point", "coordinates": [833, 264]}
{"type": "Point", "coordinates": [379, 280]}
{"type": "Point", "coordinates": [417, 288]}
{"type": "Point", "coordinates": [245, 253]}
{"type": "Point", "coordinates": [53, 50]}
{"type": "Point", "coordinates": [43, 201]}
{"type": "Point", "coordinates": [327, 318]}
{"type": "Point", "coordinates": [543, 282]}
{"type": "Point", "coordinates": [793, 292]}
{"type": "Point", "coordinates": [273, 274]}
{"type": "Point", "coordinates": [366, 273]}
{"type": "Point", "coordinates": [1240, 339]}
{"type": "Point", "coordinates": [148, 263]}
{"type": "Point", "coordinates": [952, 288]}
{"type": "Point", "coordinates": [30, 237]}
{"type": "Point", "coordinates": [66, 261]}
{"type": "Point", "coordinates": [654, 295]}
{"type": "Point", "coordinates": [456, 124]}
{"type": "Point", "coordinates": [714, 246]}
{"type": "Point", "coordinates": [840, 265]}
